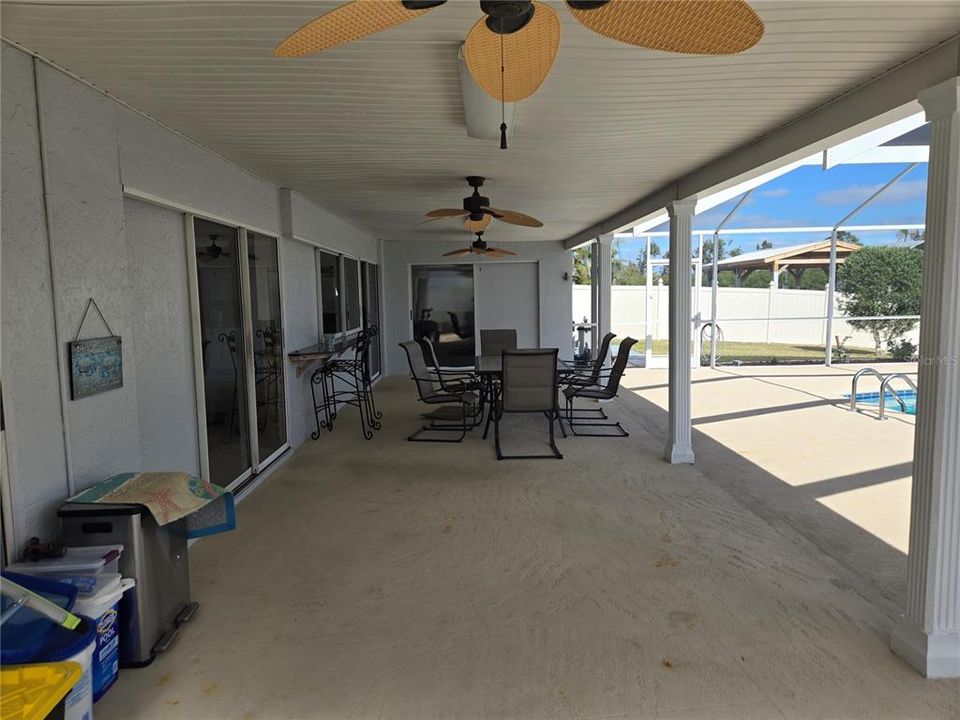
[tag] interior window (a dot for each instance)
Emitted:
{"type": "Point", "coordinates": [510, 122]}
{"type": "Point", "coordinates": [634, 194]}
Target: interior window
{"type": "Point", "coordinates": [328, 268]}
{"type": "Point", "coordinates": [351, 289]}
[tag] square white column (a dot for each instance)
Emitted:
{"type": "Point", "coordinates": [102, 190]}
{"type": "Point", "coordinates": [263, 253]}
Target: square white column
{"type": "Point", "coordinates": [605, 274]}
{"type": "Point", "coordinates": [928, 635]}
{"type": "Point", "coordinates": [680, 444]}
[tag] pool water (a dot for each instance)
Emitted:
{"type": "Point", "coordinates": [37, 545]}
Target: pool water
{"type": "Point", "coordinates": [909, 398]}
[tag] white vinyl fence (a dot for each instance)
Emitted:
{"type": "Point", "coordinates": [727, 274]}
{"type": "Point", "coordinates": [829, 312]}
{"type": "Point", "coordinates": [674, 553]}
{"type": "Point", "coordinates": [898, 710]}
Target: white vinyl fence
{"type": "Point", "coordinates": [762, 315]}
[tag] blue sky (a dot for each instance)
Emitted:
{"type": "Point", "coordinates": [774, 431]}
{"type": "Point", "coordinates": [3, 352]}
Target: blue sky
{"type": "Point", "coordinates": [811, 196]}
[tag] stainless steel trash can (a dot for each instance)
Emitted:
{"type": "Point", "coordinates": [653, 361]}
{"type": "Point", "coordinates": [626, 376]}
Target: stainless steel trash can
{"type": "Point", "coordinates": [156, 557]}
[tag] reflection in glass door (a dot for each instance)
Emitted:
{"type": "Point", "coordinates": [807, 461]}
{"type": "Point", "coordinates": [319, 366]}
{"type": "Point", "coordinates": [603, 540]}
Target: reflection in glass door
{"type": "Point", "coordinates": [222, 349]}
{"type": "Point", "coordinates": [443, 311]}
{"type": "Point", "coordinates": [267, 344]}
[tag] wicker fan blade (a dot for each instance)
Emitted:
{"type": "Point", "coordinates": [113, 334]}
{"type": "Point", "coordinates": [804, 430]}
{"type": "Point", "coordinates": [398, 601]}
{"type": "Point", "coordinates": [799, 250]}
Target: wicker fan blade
{"type": "Point", "coordinates": [441, 213]}
{"type": "Point", "coordinates": [447, 212]}
{"type": "Point", "coordinates": [500, 252]}
{"type": "Point", "coordinates": [461, 251]}
{"type": "Point", "coordinates": [350, 22]}
{"type": "Point", "coordinates": [528, 55]}
{"type": "Point", "coordinates": [478, 225]}
{"type": "Point", "coordinates": [695, 27]}
{"type": "Point", "coordinates": [515, 218]}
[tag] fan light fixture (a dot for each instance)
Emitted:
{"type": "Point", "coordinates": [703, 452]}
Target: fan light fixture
{"type": "Point", "coordinates": [511, 50]}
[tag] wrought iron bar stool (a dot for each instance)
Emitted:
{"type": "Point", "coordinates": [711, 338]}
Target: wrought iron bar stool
{"type": "Point", "coordinates": [347, 381]}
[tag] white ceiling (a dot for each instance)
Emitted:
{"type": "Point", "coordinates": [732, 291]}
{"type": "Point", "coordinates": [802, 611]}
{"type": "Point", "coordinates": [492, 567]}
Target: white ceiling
{"type": "Point", "coordinates": [374, 131]}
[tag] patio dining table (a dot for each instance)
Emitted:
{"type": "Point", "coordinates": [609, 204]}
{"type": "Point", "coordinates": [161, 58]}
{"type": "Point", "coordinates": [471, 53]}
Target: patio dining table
{"type": "Point", "coordinates": [489, 370]}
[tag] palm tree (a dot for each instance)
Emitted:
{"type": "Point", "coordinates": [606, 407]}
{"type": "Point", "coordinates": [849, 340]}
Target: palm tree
{"type": "Point", "coordinates": [913, 236]}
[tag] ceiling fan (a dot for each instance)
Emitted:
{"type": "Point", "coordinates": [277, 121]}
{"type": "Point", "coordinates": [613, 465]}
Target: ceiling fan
{"type": "Point", "coordinates": [477, 212]}
{"type": "Point", "coordinates": [511, 50]}
{"type": "Point", "coordinates": [213, 250]}
{"type": "Point", "coordinates": [479, 247]}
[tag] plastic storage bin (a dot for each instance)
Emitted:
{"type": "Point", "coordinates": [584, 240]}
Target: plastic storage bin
{"type": "Point", "coordinates": [83, 566]}
{"type": "Point", "coordinates": [36, 692]}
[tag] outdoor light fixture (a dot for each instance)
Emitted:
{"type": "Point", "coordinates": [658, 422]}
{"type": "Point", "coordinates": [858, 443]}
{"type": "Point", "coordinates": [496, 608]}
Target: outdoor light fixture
{"type": "Point", "coordinates": [482, 112]}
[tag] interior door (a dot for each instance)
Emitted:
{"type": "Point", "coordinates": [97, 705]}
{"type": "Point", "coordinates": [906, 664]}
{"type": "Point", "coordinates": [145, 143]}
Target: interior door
{"type": "Point", "coordinates": [508, 296]}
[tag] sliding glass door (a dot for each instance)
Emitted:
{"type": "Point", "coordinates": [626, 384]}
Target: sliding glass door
{"type": "Point", "coordinates": [264, 265]}
{"type": "Point", "coordinates": [443, 311]}
{"type": "Point", "coordinates": [240, 337]}
{"type": "Point", "coordinates": [217, 249]}
{"type": "Point", "coordinates": [370, 282]}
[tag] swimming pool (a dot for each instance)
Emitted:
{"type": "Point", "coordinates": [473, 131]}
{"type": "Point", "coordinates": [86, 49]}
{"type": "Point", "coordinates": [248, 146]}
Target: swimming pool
{"type": "Point", "coordinates": [909, 398]}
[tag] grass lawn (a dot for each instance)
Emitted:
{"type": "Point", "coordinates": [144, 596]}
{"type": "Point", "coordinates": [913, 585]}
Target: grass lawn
{"type": "Point", "coordinates": [748, 353]}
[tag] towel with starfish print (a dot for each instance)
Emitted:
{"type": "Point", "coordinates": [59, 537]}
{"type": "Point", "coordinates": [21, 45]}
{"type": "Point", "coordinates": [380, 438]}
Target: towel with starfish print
{"type": "Point", "coordinates": [168, 496]}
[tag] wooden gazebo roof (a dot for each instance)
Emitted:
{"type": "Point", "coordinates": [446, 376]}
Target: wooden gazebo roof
{"type": "Point", "coordinates": [795, 257]}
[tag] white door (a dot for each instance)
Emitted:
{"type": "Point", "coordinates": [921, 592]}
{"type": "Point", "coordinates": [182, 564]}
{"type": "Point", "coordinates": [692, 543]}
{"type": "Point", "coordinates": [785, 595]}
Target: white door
{"type": "Point", "coordinates": [508, 296]}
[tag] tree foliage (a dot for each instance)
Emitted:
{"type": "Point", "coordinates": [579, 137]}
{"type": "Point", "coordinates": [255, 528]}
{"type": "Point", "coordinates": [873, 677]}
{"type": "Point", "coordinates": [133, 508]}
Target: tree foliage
{"type": "Point", "coordinates": [881, 281]}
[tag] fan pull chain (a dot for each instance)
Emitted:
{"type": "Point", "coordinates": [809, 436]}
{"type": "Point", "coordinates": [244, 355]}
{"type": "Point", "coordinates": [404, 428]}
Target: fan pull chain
{"type": "Point", "coordinates": [503, 102]}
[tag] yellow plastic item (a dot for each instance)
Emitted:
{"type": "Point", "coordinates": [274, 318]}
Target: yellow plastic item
{"type": "Point", "coordinates": [30, 692]}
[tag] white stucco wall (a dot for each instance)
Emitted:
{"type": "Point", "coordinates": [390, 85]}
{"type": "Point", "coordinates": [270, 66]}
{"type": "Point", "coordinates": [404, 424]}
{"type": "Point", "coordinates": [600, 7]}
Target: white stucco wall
{"type": "Point", "coordinates": [31, 393]}
{"type": "Point", "coordinates": [131, 257]}
{"type": "Point", "coordinates": [556, 305]}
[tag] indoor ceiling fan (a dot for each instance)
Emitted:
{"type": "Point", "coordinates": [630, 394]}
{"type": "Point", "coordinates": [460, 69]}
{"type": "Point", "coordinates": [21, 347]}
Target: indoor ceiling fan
{"type": "Point", "coordinates": [477, 212]}
{"type": "Point", "coordinates": [511, 50]}
{"type": "Point", "coordinates": [213, 250]}
{"type": "Point", "coordinates": [479, 247]}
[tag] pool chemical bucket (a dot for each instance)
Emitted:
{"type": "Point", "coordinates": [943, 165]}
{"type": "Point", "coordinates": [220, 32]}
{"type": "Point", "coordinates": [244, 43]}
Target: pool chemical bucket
{"type": "Point", "coordinates": [103, 608]}
{"type": "Point", "coordinates": [29, 637]}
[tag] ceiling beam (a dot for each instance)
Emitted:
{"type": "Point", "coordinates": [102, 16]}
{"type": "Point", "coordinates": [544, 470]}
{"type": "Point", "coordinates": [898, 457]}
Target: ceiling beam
{"type": "Point", "coordinates": [885, 99]}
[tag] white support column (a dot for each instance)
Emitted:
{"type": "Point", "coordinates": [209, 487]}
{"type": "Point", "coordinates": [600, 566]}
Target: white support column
{"type": "Point", "coordinates": [680, 445]}
{"type": "Point", "coordinates": [605, 247]}
{"type": "Point", "coordinates": [928, 636]}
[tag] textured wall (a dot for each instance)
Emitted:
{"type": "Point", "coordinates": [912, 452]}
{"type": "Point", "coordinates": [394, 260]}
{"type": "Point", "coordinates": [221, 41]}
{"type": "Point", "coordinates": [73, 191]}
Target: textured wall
{"type": "Point", "coordinates": [36, 457]}
{"type": "Point", "coordinates": [170, 166]}
{"type": "Point", "coordinates": [556, 303]}
{"type": "Point", "coordinates": [300, 329]}
{"type": "Point", "coordinates": [90, 261]}
{"type": "Point", "coordinates": [316, 225]}
{"type": "Point", "coordinates": [163, 349]}
{"type": "Point", "coordinates": [131, 257]}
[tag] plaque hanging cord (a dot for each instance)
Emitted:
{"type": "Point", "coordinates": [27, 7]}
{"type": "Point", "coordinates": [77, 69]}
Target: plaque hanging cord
{"type": "Point", "coordinates": [83, 319]}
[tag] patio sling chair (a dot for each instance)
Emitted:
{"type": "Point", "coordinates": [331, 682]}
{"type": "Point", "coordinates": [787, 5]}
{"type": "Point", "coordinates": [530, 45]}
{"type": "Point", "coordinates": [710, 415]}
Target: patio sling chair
{"type": "Point", "coordinates": [494, 342]}
{"type": "Point", "coordinates": [607, 391]}
{"type": "Point", "coordinates": [459, 393]}
{"type": "Point", "coordinates": [529, 385]}
{"type": "Point", "coordinates": [586, 376]}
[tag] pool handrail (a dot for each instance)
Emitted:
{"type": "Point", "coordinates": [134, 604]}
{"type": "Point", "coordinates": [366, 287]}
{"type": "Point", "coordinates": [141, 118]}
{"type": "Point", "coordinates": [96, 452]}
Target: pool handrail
{"type": "Point", "coordinates": [883, 392]}
{"type": "Point", "coordinates": [856, 379]}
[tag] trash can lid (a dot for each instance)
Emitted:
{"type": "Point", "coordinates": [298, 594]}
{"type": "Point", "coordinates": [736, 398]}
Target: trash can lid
{"type": "Point", "coordinates": [77, 509]}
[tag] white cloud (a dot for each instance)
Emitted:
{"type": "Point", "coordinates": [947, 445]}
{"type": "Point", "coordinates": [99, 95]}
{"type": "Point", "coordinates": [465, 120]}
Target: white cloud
{"type": "Point", "coordinates": [855, 194]}
{"type": "Point", "coordinates": [774, 193]}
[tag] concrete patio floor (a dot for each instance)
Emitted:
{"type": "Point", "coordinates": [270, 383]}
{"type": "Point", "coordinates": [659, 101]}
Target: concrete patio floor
{"type": "Point", "coordinates": [839, 478]}
{"type": "Point", "coordinates": [399, 580]}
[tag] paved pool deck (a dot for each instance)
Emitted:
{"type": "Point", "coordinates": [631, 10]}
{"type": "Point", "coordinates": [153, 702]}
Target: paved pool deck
{"type": "Point", "coordinates": [782, 440]}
